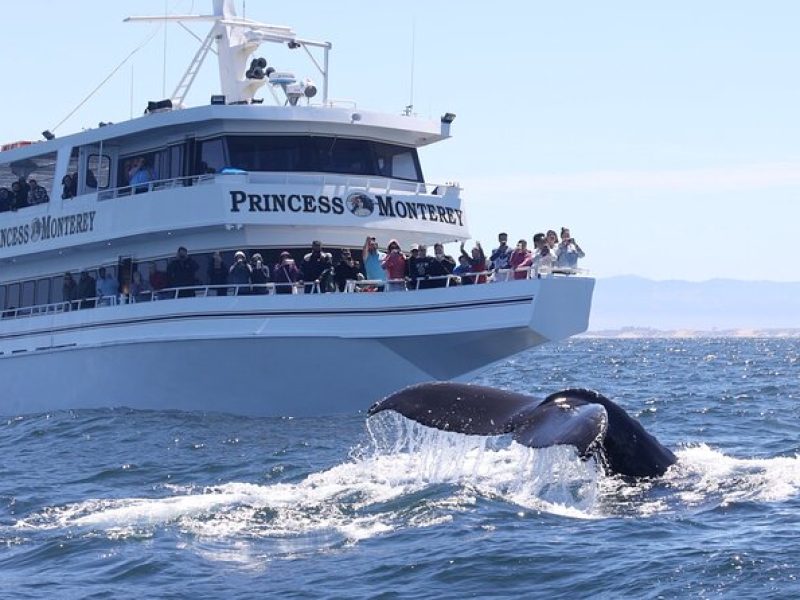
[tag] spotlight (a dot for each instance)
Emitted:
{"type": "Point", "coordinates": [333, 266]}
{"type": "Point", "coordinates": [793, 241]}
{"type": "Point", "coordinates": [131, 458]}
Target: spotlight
{"type": "Point", "coordinates": [293, 45]}
{"type": "Point", "coordinates": [310, 90]}
{"type": "Point", "coordinates": [48, 135]}
{"type": "Point", "coordinates": [448, 118]}
{"type": "Point", "coordinates": [158, 106]}
{"type": "Point", "coordinates": [217, 100]}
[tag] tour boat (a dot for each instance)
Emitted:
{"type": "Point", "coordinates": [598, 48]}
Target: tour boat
{"type": "Point", "coordinates": [241, 174]}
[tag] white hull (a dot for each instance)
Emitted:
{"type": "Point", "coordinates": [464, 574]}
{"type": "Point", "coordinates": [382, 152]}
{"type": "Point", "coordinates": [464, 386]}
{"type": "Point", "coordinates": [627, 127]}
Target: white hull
{"type": "Point", "coordinates": [278, 355]}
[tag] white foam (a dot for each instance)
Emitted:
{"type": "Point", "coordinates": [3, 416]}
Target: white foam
{"type": "Point", "coordinates": [410, 476]}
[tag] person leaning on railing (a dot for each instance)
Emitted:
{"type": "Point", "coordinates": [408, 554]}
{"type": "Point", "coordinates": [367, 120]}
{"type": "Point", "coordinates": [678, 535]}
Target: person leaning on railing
{"type": "Point", "coordinates": [394, 264]}
{"type": "Point", "coordinates": [240, 274]}
{"type": "Point", "coordinates": [521, 257]}
{"type": "Point", "coordinates": [346, 270]}
{"type": "Point", "coordinates": [285, 274]}
{"type": "Point", "coordinates": [568, 251]}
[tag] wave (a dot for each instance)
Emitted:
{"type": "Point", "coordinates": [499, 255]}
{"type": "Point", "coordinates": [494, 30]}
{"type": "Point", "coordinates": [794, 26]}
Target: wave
{"type": "Point", "coordinates": [408, 476]}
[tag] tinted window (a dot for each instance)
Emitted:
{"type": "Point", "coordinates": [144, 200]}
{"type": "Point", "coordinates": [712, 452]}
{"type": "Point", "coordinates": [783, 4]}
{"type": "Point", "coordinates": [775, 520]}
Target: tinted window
{"type": "Point", "coordinates": [212, 156]}
{"type": "Point", "coordinates": [42, 291]}
{"type": "Point", "coordinates": [312, 154]}
{"type": "Point", "coordinates": [28, 288]}
{"type": "Point", "coordinates": [12, 296]}
{"type": "Point", "coordinates": [99, 170]}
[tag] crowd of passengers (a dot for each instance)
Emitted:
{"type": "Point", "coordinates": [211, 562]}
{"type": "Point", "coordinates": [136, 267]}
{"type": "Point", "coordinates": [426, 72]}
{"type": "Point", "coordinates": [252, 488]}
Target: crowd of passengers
{"type": "Point", "coordinates": [393, 270]}
{"type": "Point", "coordinates": [21, 194]}
{"type": "Point", "coordinates": [24, 193]}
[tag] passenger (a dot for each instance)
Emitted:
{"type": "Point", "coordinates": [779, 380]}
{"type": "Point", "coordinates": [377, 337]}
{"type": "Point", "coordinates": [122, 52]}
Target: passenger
{"type": "Point", "coordinates": [69, 291]}
{"type": "Point", "coordinates": [313, 266]}
{"type": "Point", "coordinates": [445, 260]}
{"type": "Point", "coordinates": [107, 287]}
{"type": "Point", "coordinates": [543, 258]}
{"type": "Point", "coordinates": [413, 254]}
{"type": "Point", "coordinates": [141, 173]}
{"type": "Point", "coordinates": [346, 270]}
{"type": "Point", "coordinates": [285, 274]}
{"type": "Point", "coordinates": [568, 251]}
{"type": "Point", "coordinates": [158, 279]}
{"type": "Point", "coordinates": [91, 180]}
{"type": "Point", "coordinates": [552, 241]}
{"type": "Point", "coordinates": [260, 276]}
{"type": "Point", "coordinates": [140, 288]}
{"type": "Point", "coordinates": [477, 261]}
{"type": "Point", "coordinates": [66, 187]}
{"type": "Point", "coordinates": [502, 254]}
{"type": "Point", "coordinates": [37, 194]}
{"type": "Point", "coordinates": [421, 268]}
{"type": "Point", "coordinates": [218, 274]}
{"type": "Point", "coordinates": [87, 289]}
{"type": "Point", "coordinates": [6, 199]}
{"type": "Point", "coordinates": [463, 269]}
{"type": "Point", "coordinates": [372, 260]}
{"type": "Point", "coordinates": [240, 274]}
{"type": "Point", "coordinates": [20, 196]}
{"type": "Point", "coordinates": [73, 186]}
{"type": "Point", "coordinates": [521, 258]}
{"type": "Point", "coordinates": [394, 264]}
{"type": "Point", "coordinates": [181, 272]}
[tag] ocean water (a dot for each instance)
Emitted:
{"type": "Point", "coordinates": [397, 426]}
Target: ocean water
{"type": "Point", "coordinates": [143, 504]}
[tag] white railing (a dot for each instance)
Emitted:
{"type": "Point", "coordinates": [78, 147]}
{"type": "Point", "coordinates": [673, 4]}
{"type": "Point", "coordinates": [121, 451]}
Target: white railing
{"type": "Point", "coordinates": [155, 186]}
{"type": "Point", "coordinates": [381, 185]}
{"type": "Point", "coordinates": [296, 288]}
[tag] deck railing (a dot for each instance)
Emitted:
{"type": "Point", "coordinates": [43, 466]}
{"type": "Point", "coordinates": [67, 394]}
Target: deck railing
{"type": "Point", "coordinates": [379, 185]}
{"type": "Point", "coordinates": [300, 287]}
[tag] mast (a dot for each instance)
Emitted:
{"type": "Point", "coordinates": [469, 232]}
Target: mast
{"type": "Point", "coordinates": [237, 39]}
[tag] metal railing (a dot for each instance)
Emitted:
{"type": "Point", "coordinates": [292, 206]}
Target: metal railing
{"type": "Point", "coordinates": [295, 288]}
{"type": "Point", "coordinates": [383, 185]}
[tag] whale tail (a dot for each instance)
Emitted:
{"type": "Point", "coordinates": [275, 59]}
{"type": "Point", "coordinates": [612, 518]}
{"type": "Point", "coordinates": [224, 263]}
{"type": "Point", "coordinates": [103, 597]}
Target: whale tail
{"type": "Point", "coordinates": [585, 419]}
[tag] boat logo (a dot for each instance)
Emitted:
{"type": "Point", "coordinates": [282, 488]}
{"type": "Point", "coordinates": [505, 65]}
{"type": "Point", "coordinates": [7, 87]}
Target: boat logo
{"type": "Point", "coordinates": [360, 204]}
{"type": "Point", "coordinates": [36, 230]}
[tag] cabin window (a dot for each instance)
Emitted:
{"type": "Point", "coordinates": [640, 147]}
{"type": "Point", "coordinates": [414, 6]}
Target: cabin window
{"type": "Point", "coordinates": [42, 292]}
{"type": "Point", "coordinates": [12, 296]}
{"type": "Point", "coordinates": [311, 154]}
{"type": "Point", "coordinates": [28, 289]}
{"type": "Point", "coordinates": [27, 181]}
{"type": "Point", "coordinates": [212, 156]}
{"type": "Point", "coordinates": [2, 296]}
{"type": "Point", "coordinates": [98, 171]}
{"type": "Point", "coordinates": [57, 289]}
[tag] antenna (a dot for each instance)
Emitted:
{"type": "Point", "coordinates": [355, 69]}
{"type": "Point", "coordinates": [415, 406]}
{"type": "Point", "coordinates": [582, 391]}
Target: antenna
{"type": "Point", "coordinates": [164, 71]}
{"type": "Point", "coordinates": [410, 108]}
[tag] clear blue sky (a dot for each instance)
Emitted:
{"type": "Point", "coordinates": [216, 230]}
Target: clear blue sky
{"type": "Point", "coordinates": [666, 135]}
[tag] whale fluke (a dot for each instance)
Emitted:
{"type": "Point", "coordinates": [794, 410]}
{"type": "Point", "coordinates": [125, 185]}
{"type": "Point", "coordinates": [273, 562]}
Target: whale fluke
{"type": "Point", "coordinates": [585, 419]}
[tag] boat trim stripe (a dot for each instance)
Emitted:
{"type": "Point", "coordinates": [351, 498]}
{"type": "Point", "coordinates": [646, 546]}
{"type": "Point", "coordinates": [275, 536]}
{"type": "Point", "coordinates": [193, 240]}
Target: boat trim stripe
{"type": "Point", "coordinates": [277, 313]}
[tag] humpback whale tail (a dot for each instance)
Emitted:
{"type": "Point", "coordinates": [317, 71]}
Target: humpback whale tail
{"type": "Point", "coordinates": [585, 419]}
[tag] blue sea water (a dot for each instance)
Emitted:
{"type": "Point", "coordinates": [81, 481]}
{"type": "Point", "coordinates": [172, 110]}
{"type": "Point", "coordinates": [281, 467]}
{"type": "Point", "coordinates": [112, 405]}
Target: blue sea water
{"type": "Point", "coordinates": [142, 504]}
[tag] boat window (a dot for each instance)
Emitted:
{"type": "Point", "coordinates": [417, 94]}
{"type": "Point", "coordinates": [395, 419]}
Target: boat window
{"type": "Point", "coordinates": [42, 292]}
{"type": "Point", "coordinates": [311, 154]}
{"type": "Point", "coordinates": [40, 169]}
{"type": "Point", "coordinates": [28, 288]}
{"type": "Point", "coordinates": [99, 169]}
{"type": "Point", "coordinates": [57, 289]}
{"type": "Point", "coordinates": [212, 156]}
{"type": "Point", "coordinates": [2, 296]}
{"type": "Point", "coordinates": [12, 296]}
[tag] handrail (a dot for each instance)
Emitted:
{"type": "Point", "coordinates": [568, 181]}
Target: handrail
{"type": "Point", "coordinates": [349, 182]}
{"type": "Point", "coordinates": [272, 289]}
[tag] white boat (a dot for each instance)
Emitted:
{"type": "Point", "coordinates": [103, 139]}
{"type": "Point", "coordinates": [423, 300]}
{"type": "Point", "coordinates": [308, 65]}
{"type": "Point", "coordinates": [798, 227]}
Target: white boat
{"type": "Point", "coordinates": [239, 174]}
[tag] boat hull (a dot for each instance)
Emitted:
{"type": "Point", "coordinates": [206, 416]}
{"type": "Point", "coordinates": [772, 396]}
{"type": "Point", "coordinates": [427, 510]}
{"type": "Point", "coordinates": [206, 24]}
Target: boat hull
{"type": "Point", "coordinates": [278, 356]}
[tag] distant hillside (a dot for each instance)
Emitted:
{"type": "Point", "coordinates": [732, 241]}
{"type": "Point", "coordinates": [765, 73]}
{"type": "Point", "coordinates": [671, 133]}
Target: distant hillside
{"type": "Point", "coordinates": [719, 304]}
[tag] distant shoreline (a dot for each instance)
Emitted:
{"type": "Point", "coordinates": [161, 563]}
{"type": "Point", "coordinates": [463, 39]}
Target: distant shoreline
{"type": "Point", "coordinates": [649, 332]}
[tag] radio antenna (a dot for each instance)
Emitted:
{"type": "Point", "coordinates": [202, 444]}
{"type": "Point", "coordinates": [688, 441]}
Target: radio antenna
{"type": "Point", "coordinates": [410, 108]}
